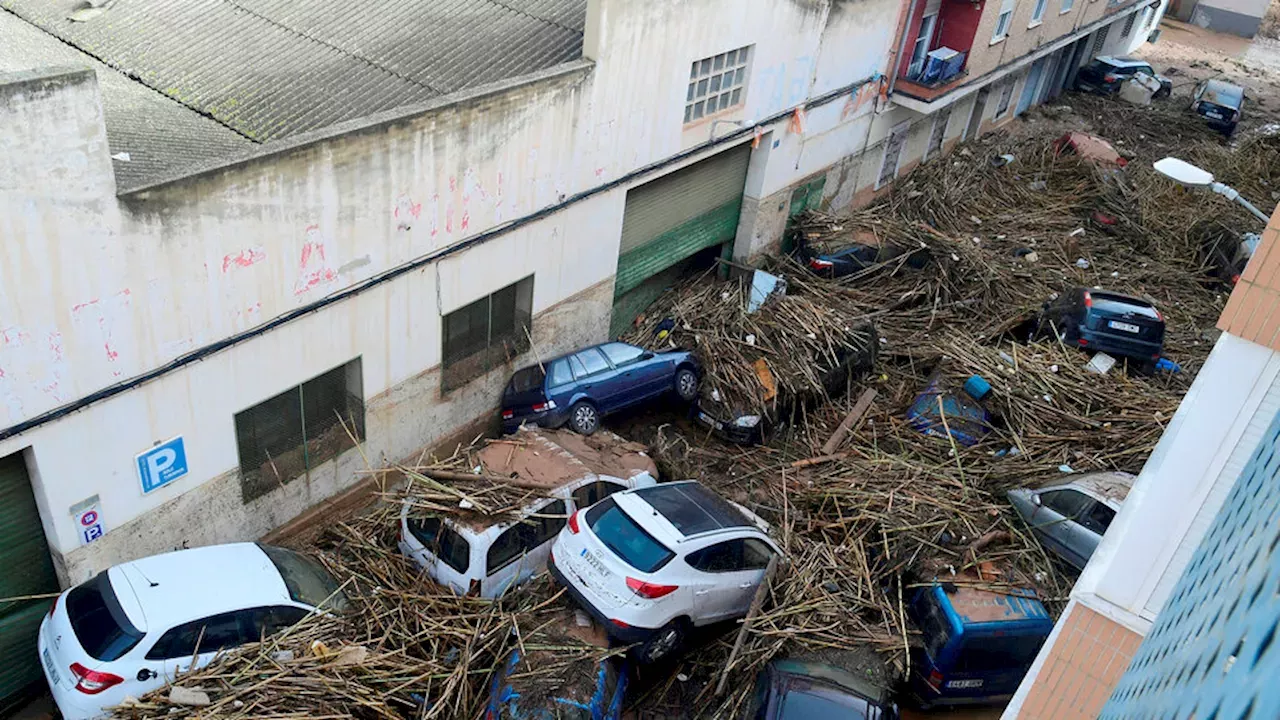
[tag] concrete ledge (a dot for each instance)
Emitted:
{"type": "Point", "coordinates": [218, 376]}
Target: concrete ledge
{"type": "Point", "coordinates": [43, 80]}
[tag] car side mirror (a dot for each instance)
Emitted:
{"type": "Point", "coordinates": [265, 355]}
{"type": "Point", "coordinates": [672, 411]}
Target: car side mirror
{"type": "Point", "coordinates": [646, 356]}
{"type": "Point", "coordinates": [1035, 499]}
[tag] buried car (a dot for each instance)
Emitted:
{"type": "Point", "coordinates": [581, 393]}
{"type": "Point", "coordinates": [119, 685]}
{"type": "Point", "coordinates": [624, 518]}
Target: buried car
{"type": "Point", "coordinates": [1071, 518]}
{"type": "Point", "coordinates": [137, 626]}
{"type": "Point", "coordinates": [836, 259]}
{"type": "Point", "coordinates": [580, 388]}
{"type": "Point", "coordinates": [471, 553]}
{"type": "Point", "coordinates": [1220, 103]}
{"type": "Point", "coordinates": [651, 564]}
{"type": "Point", "coordinates": [1102, 321]}
{"type": "Point", "coordinates": [799, 690]}
{"type": "Point", "coordinates": [1106, 74]}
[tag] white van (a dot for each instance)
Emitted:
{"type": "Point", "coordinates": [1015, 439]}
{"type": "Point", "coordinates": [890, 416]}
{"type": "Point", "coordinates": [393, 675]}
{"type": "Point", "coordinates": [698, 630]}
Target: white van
{"type": "Point", "coordinates": [484, 556]}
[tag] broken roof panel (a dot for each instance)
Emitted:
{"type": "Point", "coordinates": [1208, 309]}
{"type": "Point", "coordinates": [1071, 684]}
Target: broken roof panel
{"type": "Point", "coordinates": [269, 69]}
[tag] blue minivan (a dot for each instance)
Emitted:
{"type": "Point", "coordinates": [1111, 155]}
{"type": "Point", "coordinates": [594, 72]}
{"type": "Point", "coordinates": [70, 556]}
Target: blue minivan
{"type": "Point", "coordinates": [580, 388]}
{"type": "Point", "coordinates": [977, 644]}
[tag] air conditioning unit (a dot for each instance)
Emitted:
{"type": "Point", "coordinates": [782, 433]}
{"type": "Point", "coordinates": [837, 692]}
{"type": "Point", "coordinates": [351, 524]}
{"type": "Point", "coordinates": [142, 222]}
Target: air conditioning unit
{"type": "Point", "coordinates": [941, 65]}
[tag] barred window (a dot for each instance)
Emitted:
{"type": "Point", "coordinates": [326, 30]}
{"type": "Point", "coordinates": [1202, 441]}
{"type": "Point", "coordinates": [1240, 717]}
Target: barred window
{"type": "Point", "coordinates": [716, 83]}
{"type": "Point", "coordinates": [487, 334]}
{"type": "Point", "coordinates": [287, 436]}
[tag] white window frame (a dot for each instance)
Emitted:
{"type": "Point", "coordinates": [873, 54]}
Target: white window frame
{"type": "Point", "coordinates": [1003, 21]}
{"type": "Point", "coordinates": [706, 72]}
{"type": "Point", "coordinates": [1037, 14]}
{"type": "Point", "coordinates": [1067, 5]}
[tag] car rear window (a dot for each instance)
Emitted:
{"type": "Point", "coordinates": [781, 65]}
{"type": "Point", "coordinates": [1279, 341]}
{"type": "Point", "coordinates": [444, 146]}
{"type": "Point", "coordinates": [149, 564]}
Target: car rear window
{"type": "Point", "coordinates": [100, 624]}
{"type": "Point", "coordinates": [993, 654]}
{"type": "Point", "coordinates": [307, 580]}
{"type": "Point", "coordinates": [442, 541]}
{"type": "Point", "coordinates": [1122, 305]}
{"type": "Point", "coordinates": [526, 380]}
{"type": "Point", "coordinates": [626, 539]}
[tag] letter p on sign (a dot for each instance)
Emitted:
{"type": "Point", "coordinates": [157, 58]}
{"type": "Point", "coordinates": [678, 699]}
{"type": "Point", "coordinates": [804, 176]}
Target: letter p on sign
{"type": "Point", "coordinates": [162, 464]}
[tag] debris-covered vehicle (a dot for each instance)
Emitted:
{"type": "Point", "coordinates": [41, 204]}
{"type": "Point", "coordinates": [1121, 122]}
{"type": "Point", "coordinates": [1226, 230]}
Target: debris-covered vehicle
{"type": "Point", "coordinates": [651, 564]}
{"type": "Point", "coordinates": [940, 410]}
{"type": "Point", "coordinates": [1089, 147]}
{"type": "Point", "coordinates": [138, 626]}
{"type": "Point", "coordinates": [976, 644]}
{"type": "Point", "coordinates": [842, 256]}
{"type": "Point", "coordinates": [1110, 322]}
{"type": "Point", "coordinates": [578, 389]}
{"type": "Point", "coordinates": [1106, 74]}
{"type": "Point", "coordinates": [545, 475]}
{"type": "Point", "coordinates": [1220, 103]}
{"type": "Point", "coordinates": [1071, 518]}
{"type": "Point", "coordinates": [799, 690]}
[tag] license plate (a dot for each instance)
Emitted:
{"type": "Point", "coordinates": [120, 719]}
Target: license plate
{"type": "Point", "coordinates": [962, 684]}
{"type": "Point", "coordinates": [710, 421]}
{"type": "Point", "coordinates": [1127, 327]}
{"type": "Point", "coordinates": [1214, 115]}
{"type": "Point", "coordinates": [51, 668]}
{"type": "Point", "coordinates": [595, 563]}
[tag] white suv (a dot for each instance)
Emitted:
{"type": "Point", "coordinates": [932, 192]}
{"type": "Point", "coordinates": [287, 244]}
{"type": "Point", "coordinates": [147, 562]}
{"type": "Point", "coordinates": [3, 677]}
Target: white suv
{"type": "Point", "coordinates": [651, 563]}
{"type": "Point", "coordinates": [136, 626]}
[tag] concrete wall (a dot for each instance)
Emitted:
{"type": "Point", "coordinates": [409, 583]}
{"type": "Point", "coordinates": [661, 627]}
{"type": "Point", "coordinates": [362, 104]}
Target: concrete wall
{"type": "Point", "coordinates": [1238, 17]}
{"type": "Point", "coordinates": [99, 290]}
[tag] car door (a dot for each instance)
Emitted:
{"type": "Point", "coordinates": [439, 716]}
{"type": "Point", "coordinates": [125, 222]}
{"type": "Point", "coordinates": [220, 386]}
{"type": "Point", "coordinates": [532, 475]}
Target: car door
{"type": "Point", "coordinates": [595, 378]}
{"type": "Point", "coordinates": [731, 570]}
{"type": "Point", "coordinates": [1094, 524]}
{"type": "Point", "coordinates": [640, 374]}
{"type": "Point", "coordinates": [520, 551]}
{"type": "Point", "coordinates": [1056, 521]}
{"type": "Point", "coordinates": [200, 639]}
{"type": "Point", "coordinates": [444, 552]}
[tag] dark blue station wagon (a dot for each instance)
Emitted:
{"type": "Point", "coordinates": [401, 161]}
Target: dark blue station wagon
{"type": "Point", "coordinates": [579, 389]}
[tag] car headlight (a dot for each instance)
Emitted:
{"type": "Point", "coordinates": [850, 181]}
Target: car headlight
{"type": "Point", "coordinates": [747, 421]}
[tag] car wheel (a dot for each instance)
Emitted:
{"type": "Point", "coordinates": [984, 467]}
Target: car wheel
{"type": "Point", "coordinates": [663, 643]}
{"type": "Point", "coordinates": [583, 418]}
{"type": "Point", "coordinates": [686, 384]}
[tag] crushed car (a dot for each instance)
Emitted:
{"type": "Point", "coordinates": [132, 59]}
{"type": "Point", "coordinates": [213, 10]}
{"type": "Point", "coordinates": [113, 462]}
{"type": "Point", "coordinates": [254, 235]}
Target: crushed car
{"type": "Point", "coordinates": [1106, 75]}
{"type": "Point", "coordinates": [1071, 518]}
{"type": "Point", "coordinates": [1220, 103]}
{"type": "Point", "coordinates": [552, 474]}
{"type": "Point", "coordinates": [794, 689]}
{"type": "Point", "coordinates": [1089, 147]}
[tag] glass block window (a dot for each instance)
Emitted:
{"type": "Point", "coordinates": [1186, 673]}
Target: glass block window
{"type": "Point", "coordinates": [1214, 650]}
{"type": "Point", "coordinates": [717, 83]}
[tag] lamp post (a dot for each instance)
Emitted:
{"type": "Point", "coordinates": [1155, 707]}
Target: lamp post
{"type": "Point", "coordinates": [1188, 175]}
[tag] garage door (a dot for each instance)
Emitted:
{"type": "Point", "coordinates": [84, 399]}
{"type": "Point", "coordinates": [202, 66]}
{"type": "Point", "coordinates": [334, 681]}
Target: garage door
{"type": "Point", "coordinates": [27, 570]}
{"type": "Point", "coordinates": [672, 219]}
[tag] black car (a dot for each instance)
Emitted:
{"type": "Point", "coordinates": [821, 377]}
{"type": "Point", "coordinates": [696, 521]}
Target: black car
{"type": "Point", "coordinates": [794, 690]}
{"type": "Point", "coordinates": [1107, 322]}
{"type": "Point", "coordinates": [1220, 104]}
{"type": "Point", "coordinates": [1104, 76]}
{"type": "Point", "coordinates": [580, 388]}
{"type": "Point", "coordinates": [835, 260]}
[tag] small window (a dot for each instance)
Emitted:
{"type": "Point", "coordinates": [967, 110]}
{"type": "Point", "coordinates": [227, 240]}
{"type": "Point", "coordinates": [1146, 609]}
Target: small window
{"type": "Point", "coordinates": [211, 634]}
{"type": "Point", "coordinates": [98, 621]}
{"type": "Point", "coordinates": [560, 373]}
{"type": "Point", "coordinates": [1067, 503]}
{"type": "Point", "coordinates": [1002, 26]}
{"type": "Point", "coordinates": [526, 380]}
{"type": "Point", "coordinates": [442, 541]}
{"type": "Point", "coordinates": [716, 84]}
{"type": "Point", "coordinates": [1099, 518]}
{"type": "Point", "coordinates": [1038, 12]}
{"type": "Point", "coordinates": [271, 620]}
{"type": "Point", "coordinates": [1067, 5]}
{"type": "Point", "coordinates": [621, 353]}
{"type": "Point", "coordinates": [287, 436]}
{"type": "Point", "coordinates": [505, 549]}
{"type": "Point", "coordinates": [487, 334]}
{"type": "Point", "coordinates": [755, 554]}
{"type": "Point", "coordinates": [589, 362]}
{"type": "Point", "coordinates": [726, 556]}
{"type": "Point", "coordinates": [526, 535]}
{"type": "Point", "coordinates": [592, 493]}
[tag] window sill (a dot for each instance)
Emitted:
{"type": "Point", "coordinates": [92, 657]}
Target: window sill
{"type": "Point", "coordinates": [998, 40]}
{"type": "Point", "coordinates": [1035, 24]}
{"type": "Point", "coordinates": [1064, 12]}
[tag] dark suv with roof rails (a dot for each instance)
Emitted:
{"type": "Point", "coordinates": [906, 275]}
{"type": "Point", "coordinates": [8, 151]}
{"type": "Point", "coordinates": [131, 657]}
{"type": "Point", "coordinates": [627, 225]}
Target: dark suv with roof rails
{"type": "Point", "coordinates": [1108, 322]}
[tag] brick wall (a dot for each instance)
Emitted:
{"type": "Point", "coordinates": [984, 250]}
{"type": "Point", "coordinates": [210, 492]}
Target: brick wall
{"type": "Point", "coordinates": [1090, 654]}
{"type": "Point", "coordinates": [1253, 312]}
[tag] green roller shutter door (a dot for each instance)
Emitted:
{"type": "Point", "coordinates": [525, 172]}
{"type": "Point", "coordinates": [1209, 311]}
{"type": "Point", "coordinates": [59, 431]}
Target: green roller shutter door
{"type": "Point", "coordinates": [671, 219]}
{"type": "Point", "coordinates": [25, 569]}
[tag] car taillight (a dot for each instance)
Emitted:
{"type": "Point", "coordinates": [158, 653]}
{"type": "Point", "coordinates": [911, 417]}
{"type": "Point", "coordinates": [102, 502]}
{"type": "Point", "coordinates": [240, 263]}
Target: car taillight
{"type": "Point", "coordinates": [935, 679]}
{"type": "Point", "coordinates": [92, 682]}
{"type": "Point", "coordinates": [818, 264]}
{"type": "Point", "coordinates": [1083, 342]}
{"type": "Point", "coordinates": [1088, 300]}
{"type": "Point", "coordinates": [620, 624]}
{"type": "Point", "coordinates": [508, 414]}
{"type": "Point", "coordinates": [1110, 78]}
{"type": "Point", "coordinates": [1159, 315]}
{"type": "Point", "coordinates": [543, 407]}
{"type": "Point", "coordinates": [573, 523]}
{"type": "Point", "coordinates": [650, 590]}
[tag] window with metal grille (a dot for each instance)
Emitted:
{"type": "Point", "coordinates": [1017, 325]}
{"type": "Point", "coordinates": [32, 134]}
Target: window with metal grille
{"type": "Point", "coordinates": [487, 334]}
{"type": "Point", "coordinates": [1128, 26]}
{"type": "Point", "coordinates": [1100, 40]}
{"type": "Point", "coordinates": [287, 436]}
{"type": "Point", "coordinates": [717, 83]}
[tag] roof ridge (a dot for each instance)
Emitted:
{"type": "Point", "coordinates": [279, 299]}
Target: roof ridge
{"type": "Point", "coordinates": [539, 18]}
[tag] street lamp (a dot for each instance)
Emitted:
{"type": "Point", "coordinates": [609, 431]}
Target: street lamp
{"type": "Point", "coordinates": [1188, 175]}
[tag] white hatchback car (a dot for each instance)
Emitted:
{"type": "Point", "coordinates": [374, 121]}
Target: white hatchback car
{"type": "Point", "coordinates": [483, 556]}
{"type": "Point", "coordinates": [134, 627]}
{"type": "Point", "coordinates": [650, 564]}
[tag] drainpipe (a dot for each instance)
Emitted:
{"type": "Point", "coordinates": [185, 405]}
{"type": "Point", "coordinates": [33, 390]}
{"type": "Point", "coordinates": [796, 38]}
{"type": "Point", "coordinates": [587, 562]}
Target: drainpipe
{"type": "Point", "coordinates": [902, 45]}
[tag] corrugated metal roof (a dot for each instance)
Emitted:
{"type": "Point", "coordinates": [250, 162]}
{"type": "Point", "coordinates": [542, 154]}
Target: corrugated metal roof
{"type": "Point", "coordinates": [268, 69]}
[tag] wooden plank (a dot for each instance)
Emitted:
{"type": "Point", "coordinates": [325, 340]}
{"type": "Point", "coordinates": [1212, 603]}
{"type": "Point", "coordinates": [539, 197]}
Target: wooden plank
{"type": "Point", "coordinates": [853, 418]}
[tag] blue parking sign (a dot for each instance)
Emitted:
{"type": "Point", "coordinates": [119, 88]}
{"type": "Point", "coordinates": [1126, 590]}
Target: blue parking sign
{"type": "Point", "coordinates": [162, 464]}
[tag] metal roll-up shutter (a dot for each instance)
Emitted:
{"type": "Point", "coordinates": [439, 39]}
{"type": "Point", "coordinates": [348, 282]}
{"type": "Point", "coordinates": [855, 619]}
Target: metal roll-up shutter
{"type": "Point", "coordinates": [671, 219]}
{"type": "Point", "coordinates": [27, 569]}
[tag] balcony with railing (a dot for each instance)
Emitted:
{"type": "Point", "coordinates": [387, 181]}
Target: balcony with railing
{"type": "Point", "coordinates": [937, 47]}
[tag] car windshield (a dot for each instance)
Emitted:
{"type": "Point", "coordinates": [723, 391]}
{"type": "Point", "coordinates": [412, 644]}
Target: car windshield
{"type": "Point", "coordinates": [526, 380]}
{"type": "Point", "coordinates": [1122, 306]}
{"type": "Point", "coordinates": [935, 628]}
{"type": "Point", "coordinates": [307, 581]}
{"type": "Point", "coordinates": [98, 621]}
{"type": "Point", "coordinates": [626, 539]}
{"type": "Point", "coordinates": [804, 699]}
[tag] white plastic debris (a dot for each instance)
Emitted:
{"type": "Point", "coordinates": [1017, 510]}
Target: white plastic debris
{"type": "Point", "coordinates": [1082, 263]}
{"type": "Point", "coordinates": [1066, 469]}
{"type": "Point", "coordinates": [1031, 257]}
{"type": "Point", "coordinates": [976, 220]}
{"type": "Point", "coordinates": [751, 339]}
{"type": "Point", "coordinates": [580, 619]}
{"type": "Point", "coordinates": [977, 241]}
{"type": "Point", "coordinates": [1007, 357]}
{"type": "Point", "coordinates": [282, 655]}
{"type": "Point", "coordinates": [122, 157]}
{"type": "Point", "coordinates": [1047, 398]}
{"type": "Point", "coordinates": [715, 395]}
{"type": "Point", "coordinates": [1053, 368]}
{"type": "Point", "coordinates": [1077, 232]}
{"type": "Point", "coordinates": [955, 257]}
{"type": "Point", "coordinates": [466, 504]}
{"type": "Point", "coordinates": [1101, 364]}
{"type": "Point", "coordinates": [682, 677]}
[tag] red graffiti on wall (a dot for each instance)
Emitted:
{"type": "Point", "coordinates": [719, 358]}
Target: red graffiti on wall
{"type": "Point", "coordinates": [244, 258]}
